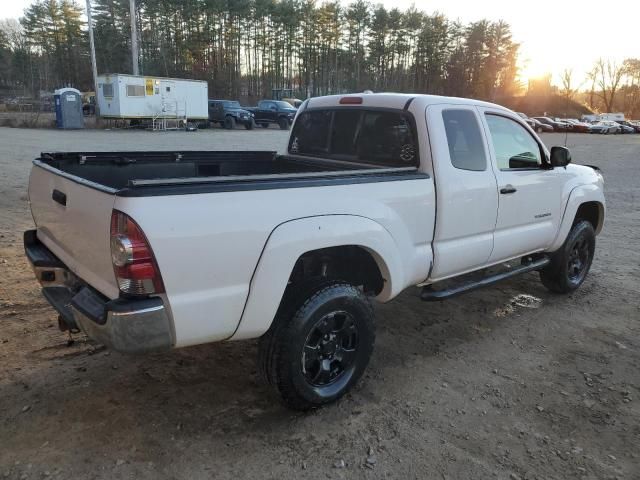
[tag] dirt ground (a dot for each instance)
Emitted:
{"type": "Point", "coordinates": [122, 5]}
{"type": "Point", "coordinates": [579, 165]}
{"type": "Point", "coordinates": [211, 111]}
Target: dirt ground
{"type": "Point", "coordinates": [509, 382]}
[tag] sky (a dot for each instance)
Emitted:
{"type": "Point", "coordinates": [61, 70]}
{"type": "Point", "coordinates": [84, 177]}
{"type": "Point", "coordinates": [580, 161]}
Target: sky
{"type": "Point", "coordinates": [554, 35]}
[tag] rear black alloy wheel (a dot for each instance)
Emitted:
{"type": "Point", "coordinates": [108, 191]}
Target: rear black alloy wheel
{"type": "Point", "coordinates": [330, 349]}
{"type": "Point", "coordinates": [571, 263]}
{"type": "Point", "coordinates": [319, 344]}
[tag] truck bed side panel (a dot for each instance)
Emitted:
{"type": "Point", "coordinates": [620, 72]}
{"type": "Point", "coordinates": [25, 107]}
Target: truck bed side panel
{"type": "Point", "coordinates": [208, 245]}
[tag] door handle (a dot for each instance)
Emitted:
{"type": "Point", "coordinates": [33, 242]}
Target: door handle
{"type": "Point", "coordinates": [59, 197]}
{"type": "Point", "coordinates": [508, 189]}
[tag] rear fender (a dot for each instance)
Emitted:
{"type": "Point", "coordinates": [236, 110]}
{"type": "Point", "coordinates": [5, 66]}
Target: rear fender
{"type": "Point", "coordinates": [578, 196]}
{"type": "Point", "coordinates": [291, 240]}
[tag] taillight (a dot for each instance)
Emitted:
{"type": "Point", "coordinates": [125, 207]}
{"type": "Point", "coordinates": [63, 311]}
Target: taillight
{"type": "Point", "coordinates": [134, 265]}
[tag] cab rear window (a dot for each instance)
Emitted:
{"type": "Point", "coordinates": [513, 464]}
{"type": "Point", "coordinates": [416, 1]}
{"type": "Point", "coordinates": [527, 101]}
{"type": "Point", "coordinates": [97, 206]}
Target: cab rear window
{"type": "Point", "coordinates": [355, 134]}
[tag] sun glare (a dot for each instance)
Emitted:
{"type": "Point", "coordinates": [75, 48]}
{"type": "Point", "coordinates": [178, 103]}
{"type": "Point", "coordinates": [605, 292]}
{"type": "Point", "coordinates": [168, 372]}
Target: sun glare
{"type": "Point", "coordinates": [530, 70]}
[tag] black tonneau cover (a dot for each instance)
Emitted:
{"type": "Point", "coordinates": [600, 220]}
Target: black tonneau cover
{"type": "Point", "coordinates": [147, 173]}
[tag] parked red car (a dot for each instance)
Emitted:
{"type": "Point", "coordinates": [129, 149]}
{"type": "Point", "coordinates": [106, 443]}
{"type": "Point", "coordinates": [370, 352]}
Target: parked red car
{"type": "Point", "coordinates": [578, 126]}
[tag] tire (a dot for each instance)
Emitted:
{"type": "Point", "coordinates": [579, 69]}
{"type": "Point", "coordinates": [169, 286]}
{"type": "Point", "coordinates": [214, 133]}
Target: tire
{"type": "Point", "coordinates": [249, 125]}
{"type": "Point", "coordinates": [229, 123]}
{"type": "Point", "coordinates": [319, 344]}
{"type": "Point", "coordinates": [539, 129]}
{"type": "Point", "coordinates": [264, 125]}
{"type": "Point", "coordinates": [571, 263]}
{"type": "Point", "coordinates": [283, 123]}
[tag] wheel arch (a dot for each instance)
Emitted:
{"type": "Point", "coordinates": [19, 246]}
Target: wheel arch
{"type": "Point", "coordinates": [593, 212]}
{"type": "Point", "coordinates": [586, 202]}
{"type": "Point", "coordinates": [361, 241]}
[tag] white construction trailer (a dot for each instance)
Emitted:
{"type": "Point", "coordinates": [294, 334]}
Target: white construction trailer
{"type": "Point", "coordinates": [612, 116]}
{"type": "Point", "coordinates": [596, 117]}
{"type": "Point", "coordinates": [123, 96]}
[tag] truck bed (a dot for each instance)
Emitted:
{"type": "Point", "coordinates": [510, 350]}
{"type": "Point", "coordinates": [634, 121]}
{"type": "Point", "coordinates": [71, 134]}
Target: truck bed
{"type": "Point", "coordinates": [73, 196]}
{"type": "Point", "coordinates": [165, 173]}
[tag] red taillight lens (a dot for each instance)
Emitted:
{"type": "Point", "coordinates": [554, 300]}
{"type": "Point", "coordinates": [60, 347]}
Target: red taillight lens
{"type": "Point", "coordinates": [134, 265]}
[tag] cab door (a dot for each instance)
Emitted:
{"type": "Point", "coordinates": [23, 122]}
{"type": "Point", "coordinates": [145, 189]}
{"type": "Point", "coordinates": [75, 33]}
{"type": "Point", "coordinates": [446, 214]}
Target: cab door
{"type": "Point", "coordinates": [529, 192]}
{"type": "Point", "coordinates": [271, 110]}
{"type": "Point", "coordinates": [218, 111]}
{"type": "Point", "coordinates": [466, 190]}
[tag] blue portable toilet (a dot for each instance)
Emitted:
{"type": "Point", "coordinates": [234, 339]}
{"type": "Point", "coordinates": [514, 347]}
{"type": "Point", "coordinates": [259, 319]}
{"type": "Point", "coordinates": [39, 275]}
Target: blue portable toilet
{"type": "Point", "coordinates": [68, 103]}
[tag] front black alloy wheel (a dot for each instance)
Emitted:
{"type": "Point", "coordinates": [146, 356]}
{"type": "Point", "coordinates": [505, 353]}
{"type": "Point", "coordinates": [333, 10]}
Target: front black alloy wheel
{"type": "Point", "coordinates": [319, 344]}
{"type": "Point", "coordinates": [571, 263]}
{"type": "Point", "coordinates": [229, 123]}
{"type": "Point", "coordinates": [579, 257]}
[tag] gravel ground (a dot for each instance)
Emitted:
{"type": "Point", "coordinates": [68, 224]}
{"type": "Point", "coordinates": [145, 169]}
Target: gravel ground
{"type": "Point", "coordinates": [508, 382]}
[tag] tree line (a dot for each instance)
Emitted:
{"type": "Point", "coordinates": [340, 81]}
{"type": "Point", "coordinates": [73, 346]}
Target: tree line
{"type": "Point", "coordinates": [245, 48]}
{"type": "Point", "coordinates": [609, 86]}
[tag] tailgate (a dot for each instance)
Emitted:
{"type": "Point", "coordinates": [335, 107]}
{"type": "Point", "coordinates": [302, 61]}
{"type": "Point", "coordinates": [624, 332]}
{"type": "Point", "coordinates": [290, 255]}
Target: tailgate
{"type": "Point", "coordinates": [73, 219]}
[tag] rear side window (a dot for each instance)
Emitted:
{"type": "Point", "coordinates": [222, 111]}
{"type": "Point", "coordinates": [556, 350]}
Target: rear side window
{"type": "Point", "coordinates": [355, 134]}
{"type": "Point", "coordinates": [466, 147]}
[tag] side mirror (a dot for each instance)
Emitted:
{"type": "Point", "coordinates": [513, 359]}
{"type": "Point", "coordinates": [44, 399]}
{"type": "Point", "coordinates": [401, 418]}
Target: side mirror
{"type": "Point", "coordinates": [560, 156]}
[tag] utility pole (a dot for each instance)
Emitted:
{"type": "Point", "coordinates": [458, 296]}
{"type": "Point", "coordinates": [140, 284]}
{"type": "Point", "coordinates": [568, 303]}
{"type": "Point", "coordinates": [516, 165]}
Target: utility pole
{"type": "Point", "coordinates": [134, 37]}
{"type": "Point", "coordinates": [94, 67]}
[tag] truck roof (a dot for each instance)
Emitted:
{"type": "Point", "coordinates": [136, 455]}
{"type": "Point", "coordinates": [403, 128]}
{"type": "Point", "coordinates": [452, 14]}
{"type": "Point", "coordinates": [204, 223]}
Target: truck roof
{"type": "Point", "coordinates": [397, 100]}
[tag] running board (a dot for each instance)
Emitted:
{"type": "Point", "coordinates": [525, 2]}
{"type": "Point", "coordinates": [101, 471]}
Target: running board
{"type": "Point", "coordinates": [430, 295]}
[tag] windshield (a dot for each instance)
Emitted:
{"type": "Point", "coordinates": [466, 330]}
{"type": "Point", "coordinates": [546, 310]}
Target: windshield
{"type": "Point", "coordinates": [282, 104]}
{"type": "Point", "coordinates": [232, 104]}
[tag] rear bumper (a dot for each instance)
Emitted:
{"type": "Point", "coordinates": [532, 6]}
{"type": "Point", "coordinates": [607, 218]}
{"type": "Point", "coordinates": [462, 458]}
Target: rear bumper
{"type": "Point", "coordinates": [125, 325]}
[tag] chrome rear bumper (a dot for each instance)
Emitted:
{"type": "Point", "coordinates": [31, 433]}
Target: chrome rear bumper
{"type": "Point", "coordinates": [124, 324]}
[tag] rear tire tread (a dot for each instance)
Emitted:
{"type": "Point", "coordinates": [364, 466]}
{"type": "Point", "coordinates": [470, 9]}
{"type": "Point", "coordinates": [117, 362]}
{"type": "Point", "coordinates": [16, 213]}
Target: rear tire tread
{"type": "Point", "coordinates": [294, 308]}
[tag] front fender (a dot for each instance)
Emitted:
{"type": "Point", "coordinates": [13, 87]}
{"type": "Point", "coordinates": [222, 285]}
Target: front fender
{"type": "Point", "coordinates": [292, 239]}
{"type": "Point", "coordinates": [579, 195]}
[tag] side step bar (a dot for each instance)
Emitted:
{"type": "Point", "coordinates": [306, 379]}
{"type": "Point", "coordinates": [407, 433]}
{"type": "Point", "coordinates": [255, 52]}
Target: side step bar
{"type": "Point", "coordinates": [430, 295]}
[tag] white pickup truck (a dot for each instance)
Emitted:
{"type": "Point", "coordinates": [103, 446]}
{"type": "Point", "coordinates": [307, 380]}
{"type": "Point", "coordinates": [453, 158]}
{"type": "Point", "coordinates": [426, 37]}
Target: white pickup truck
{"type": "Point", "coordinates": [146, 251]}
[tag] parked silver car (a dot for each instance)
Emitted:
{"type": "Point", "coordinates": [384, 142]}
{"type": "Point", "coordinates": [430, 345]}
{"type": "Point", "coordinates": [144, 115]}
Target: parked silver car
{"type": "Point", "coordinates": [605, 127]}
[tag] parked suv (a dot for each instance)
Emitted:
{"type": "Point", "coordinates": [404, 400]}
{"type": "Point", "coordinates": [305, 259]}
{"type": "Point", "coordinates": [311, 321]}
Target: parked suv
{"type": "Point", "coordinates": [228, 113]}
{"type": "Point", "coordinates": [273, 111]}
